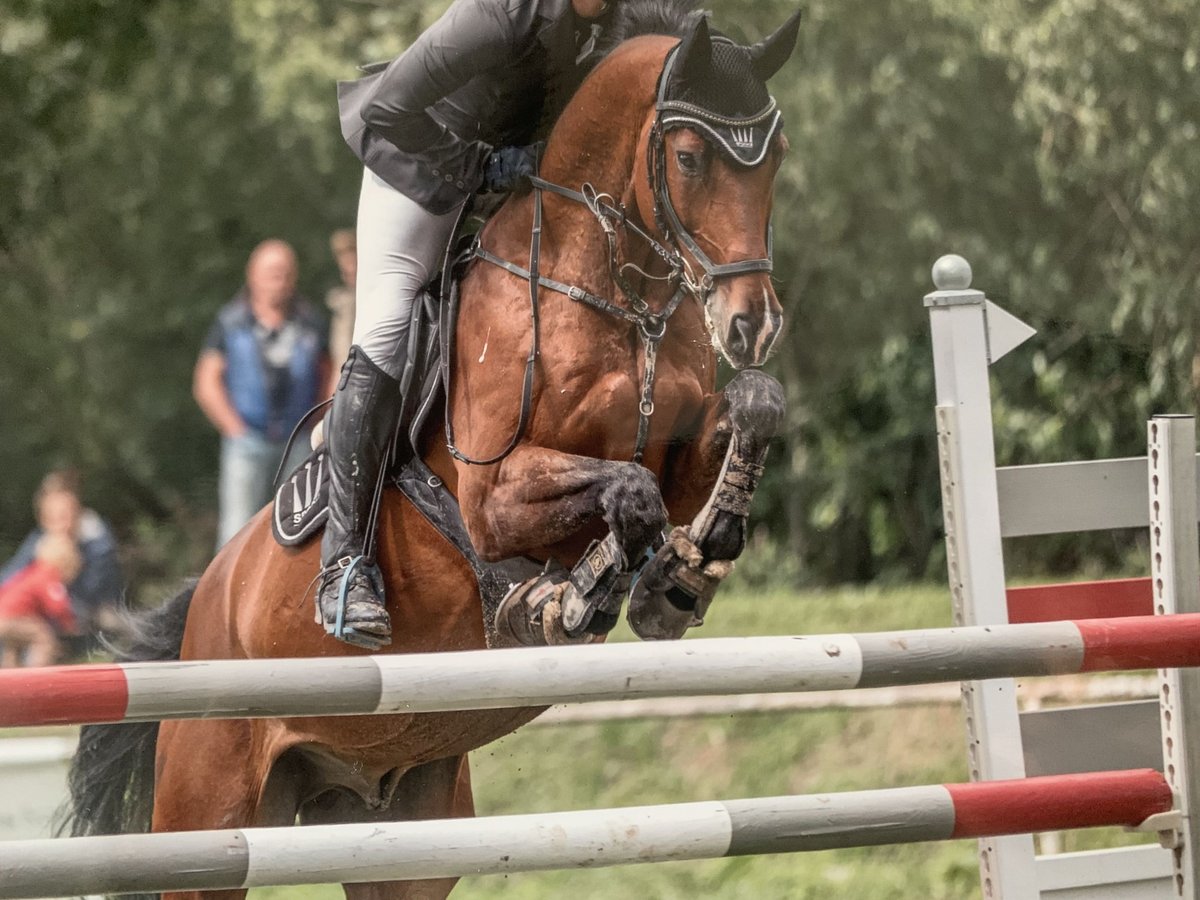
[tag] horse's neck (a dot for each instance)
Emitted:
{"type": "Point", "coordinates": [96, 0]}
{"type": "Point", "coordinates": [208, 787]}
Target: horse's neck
{"type": "Point", "coordinates": [579, 241]}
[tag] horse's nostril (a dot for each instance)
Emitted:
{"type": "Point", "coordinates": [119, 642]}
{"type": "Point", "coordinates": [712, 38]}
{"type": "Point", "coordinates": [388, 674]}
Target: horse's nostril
{"type": "Point", "coordinates": [741, 334]}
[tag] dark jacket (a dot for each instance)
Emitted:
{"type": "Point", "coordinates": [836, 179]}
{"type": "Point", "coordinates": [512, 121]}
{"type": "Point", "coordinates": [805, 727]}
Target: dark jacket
{"type": "Point", "coordinates": [475, 79]}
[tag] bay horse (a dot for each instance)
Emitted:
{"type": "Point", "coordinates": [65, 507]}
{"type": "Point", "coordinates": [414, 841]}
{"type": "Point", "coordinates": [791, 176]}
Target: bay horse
{"type": "Point", "coordinates": [668, 235]}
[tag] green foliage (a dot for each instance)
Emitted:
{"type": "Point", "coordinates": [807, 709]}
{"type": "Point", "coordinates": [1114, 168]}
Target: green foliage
{"type": "Point", "coordinates": [152, 155]}
{"type": "Point", "coordinates": [1050, 143]}
{"type": "Point", "coordinates": [149, 146]}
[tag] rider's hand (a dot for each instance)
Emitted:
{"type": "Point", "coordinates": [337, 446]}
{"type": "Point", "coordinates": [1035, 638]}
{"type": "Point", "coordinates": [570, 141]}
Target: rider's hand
{"type": "Point", "coordinates": [507, 168]}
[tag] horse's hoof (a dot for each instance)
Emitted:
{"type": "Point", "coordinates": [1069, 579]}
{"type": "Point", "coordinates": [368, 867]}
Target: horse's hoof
{"type": "Point", "coordinates": [530, 615]}
{"type": "Point", "coordinates": [519, 615]}
{"type": "Point", "coordinates": [653, 617]}
{"type": "Point", "coordinates": [674, 590]}
{"type": "Point", "coordinates": [555, 633]}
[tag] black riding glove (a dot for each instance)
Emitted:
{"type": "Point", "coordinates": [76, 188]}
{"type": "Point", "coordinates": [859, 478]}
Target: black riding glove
{"type": "Point", "coordinates": [507, 168]}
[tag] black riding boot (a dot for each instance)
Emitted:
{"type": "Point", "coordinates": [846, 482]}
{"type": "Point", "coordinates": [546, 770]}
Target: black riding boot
{"type": "Point", "coordinates": [366, 407]}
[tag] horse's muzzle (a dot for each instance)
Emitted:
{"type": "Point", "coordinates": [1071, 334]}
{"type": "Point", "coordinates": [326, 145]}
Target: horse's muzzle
{"type": "Point", "coordinates": [744, 321]}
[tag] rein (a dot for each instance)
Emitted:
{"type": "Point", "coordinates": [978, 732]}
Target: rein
{"type": "Point", "coordinates": [652, 326]}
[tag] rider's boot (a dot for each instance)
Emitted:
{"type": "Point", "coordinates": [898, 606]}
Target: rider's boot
{"type": "Point", "coordinates": [365, 411]}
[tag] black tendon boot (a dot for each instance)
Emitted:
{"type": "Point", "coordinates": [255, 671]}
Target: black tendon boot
{"type": "Point", "coordinates": [365, 410]}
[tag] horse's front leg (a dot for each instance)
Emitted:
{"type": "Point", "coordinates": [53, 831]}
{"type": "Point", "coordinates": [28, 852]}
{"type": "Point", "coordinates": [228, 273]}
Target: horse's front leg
{"type": "Point", "coordinates": [538, 498]}
{"type": "Point", "coordinates": [675, 588]}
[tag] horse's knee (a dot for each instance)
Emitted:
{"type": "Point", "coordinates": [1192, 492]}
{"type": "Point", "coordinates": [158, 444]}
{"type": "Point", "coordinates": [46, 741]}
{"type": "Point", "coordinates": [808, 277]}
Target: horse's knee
{"type": "Point", "coordinates": [756, 405]}
{"type": "Point", "coordinates": [633, 507]}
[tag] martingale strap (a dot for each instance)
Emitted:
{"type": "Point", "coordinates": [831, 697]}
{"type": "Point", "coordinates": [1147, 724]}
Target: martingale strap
{"type": "Point", "coordinates": [652, 327]}
{"type": "Point", "coordinates": [534, 278]}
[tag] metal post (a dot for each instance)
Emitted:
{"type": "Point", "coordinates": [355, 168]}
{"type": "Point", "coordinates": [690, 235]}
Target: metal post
{"type": "Point", "coordinates": [958, 322]}
{"type": "Point", "coordinates": [1175, 570]}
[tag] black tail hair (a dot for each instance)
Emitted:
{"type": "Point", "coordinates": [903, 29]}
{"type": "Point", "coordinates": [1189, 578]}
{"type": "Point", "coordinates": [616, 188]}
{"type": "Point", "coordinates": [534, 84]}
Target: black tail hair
{"type": "Point", "coordinates": [111, 779]}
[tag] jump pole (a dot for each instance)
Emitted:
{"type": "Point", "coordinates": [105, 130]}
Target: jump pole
{"type": "Point", "coordinates": [542, 676]}
{"type": "Point", "coordinates": [387, 851]}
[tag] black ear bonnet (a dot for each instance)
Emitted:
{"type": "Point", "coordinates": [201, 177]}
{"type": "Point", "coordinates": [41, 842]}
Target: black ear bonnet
{"type": "Point", "coordinates": [719, 87]}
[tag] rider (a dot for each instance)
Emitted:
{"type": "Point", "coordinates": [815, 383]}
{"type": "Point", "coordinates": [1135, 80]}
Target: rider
{"type": "Point", "coordinates": [426, 127]}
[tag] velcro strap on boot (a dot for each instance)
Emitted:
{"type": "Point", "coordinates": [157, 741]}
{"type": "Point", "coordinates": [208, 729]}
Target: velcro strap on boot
{"type": "Point", "coordinates": [599, 583]}
{"type": "Point", "coordinates": [737, 487]}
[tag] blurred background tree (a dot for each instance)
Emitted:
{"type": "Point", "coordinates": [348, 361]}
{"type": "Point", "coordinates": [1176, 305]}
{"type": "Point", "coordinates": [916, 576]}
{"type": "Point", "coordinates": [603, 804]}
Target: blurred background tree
{"type": "Point", "coordinates": [148, 146]}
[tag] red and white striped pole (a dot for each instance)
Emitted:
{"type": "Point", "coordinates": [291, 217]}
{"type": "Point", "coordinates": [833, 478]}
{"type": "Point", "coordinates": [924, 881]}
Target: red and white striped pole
{"type": "Point", "coordinates": [387, 851]}
{"type": "Point", "coordinates": [493, 679]}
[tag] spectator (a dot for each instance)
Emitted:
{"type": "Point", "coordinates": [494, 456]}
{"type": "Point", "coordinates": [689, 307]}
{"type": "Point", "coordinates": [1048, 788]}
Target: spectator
{"type": "Point", "coordinates": [35, 606]}
{"type": "Point", "coordinates": [340, 298]}
{"type": "Point", "coordinates": [263, 365]}
{"type": "Point", "coordinates": [96, 591]}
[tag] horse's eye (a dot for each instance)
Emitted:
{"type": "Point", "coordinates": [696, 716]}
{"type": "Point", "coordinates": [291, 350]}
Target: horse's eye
{"type": "Point", "coordinates": [689, 163]}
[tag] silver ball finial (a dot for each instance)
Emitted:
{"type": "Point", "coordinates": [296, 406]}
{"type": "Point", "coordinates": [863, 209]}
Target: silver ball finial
{"type": "Point", "coordinates": [952, 273]}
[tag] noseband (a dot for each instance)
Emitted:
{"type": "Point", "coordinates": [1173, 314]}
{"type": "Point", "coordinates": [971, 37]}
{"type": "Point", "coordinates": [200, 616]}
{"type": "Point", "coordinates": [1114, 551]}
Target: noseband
{"type": "Point", "coordinates": [611, 215]}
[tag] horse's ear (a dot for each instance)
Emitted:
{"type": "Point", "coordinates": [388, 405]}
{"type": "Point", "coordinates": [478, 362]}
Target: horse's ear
{"type": "Point", "coordinates": [768, 56]}
{"type": "Point", "coordinates": [693, 64]}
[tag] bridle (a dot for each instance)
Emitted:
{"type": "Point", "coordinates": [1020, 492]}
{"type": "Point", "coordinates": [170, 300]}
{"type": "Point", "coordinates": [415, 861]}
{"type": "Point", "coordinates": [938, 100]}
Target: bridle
{"type": "Point", "coordinates": [613, 218]}
{"type": "Point", "coordinates": [671, 114]}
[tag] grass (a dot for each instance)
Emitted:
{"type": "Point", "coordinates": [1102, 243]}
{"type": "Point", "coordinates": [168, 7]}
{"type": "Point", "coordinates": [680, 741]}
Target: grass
{"type": "Point", "coordinates": [664, 761]}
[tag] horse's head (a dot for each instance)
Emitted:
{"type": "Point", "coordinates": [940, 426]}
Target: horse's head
{"type": "Point", "coordinates": [711, 157]}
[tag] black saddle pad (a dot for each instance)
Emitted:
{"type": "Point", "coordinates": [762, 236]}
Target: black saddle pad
{"type": "Point", "coordinates": [302, 501]}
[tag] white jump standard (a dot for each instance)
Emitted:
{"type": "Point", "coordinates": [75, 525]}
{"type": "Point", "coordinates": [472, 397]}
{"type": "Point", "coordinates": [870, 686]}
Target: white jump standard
{"type": "Point", "coordinates": [982, 505]}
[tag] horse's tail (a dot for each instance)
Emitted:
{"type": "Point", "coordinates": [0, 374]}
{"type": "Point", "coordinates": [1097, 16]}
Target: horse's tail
{"type": "Point", "coordinates": [111, 779]}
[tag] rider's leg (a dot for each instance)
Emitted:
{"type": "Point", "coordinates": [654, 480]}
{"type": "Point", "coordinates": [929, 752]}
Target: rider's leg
{"type": "Point", "coordinates": [399, 248]}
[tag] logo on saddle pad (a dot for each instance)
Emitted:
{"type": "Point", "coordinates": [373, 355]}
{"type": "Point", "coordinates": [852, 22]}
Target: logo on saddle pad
{"type": "Point", "coordinates": [743, 137]}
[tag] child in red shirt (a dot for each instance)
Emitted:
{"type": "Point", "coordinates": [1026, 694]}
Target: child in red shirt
{"type": "Point", "coordinates": [35, 606]}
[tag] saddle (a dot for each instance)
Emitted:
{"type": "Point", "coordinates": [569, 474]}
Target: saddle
{"type": "Point", "coordinates": [301, 503]}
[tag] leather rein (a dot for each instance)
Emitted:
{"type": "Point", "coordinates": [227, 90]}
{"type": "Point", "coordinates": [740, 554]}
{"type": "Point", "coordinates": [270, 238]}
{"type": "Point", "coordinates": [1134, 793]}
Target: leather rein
{"type": "Point", "coordinates": [651, 325]}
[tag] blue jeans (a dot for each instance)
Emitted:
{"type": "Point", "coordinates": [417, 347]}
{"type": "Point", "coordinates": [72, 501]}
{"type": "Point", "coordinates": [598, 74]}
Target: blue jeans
{"type": "Point", "coordinates": [248, 464]}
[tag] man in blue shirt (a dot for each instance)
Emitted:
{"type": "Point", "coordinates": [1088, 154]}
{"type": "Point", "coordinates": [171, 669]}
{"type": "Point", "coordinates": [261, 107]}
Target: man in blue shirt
{"type": "Point", "coordinates": [263, 365]}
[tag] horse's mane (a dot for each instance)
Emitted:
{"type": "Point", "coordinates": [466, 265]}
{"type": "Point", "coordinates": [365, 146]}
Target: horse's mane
{"type": "Point", "coordinates": [633, 18]}
{"type": "Point", "coordinates": [629, 19]}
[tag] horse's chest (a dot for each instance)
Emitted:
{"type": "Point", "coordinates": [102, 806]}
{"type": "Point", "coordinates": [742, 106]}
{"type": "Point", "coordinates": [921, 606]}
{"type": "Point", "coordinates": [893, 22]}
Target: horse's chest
{"type": "Point", "coordinates": [604, 416]}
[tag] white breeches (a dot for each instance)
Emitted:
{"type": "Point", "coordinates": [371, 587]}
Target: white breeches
{"type": "Point", "coordinates": [400, 245]}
